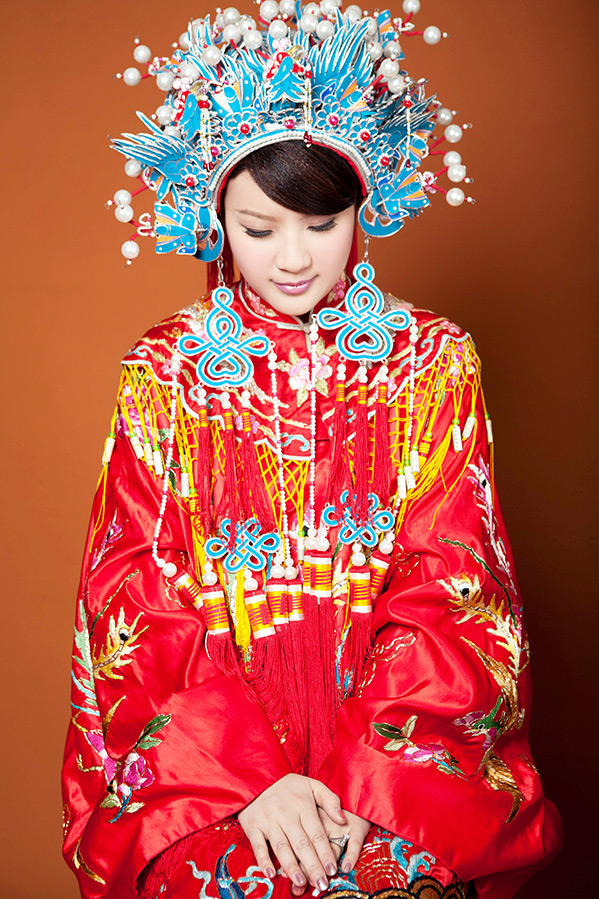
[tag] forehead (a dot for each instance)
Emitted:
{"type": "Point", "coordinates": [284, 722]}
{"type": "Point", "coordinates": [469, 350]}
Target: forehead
{"type": "Point", "coordinates": [243, 195]}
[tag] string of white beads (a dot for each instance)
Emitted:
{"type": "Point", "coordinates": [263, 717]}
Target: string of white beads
{"type": "Point", "coordinates": [289, 572]}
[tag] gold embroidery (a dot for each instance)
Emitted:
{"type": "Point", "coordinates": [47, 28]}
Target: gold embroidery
{"type": "Point", "coordinates": [79, 862]}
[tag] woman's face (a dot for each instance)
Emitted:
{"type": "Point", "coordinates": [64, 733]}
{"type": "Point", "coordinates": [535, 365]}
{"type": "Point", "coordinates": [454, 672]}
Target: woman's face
{"type": "Point", "coordinates": [290, 259]}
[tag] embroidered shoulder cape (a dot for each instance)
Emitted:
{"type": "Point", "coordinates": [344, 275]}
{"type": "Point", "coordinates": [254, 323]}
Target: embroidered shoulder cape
{"type": "Point", "coordinates": [186, 706]}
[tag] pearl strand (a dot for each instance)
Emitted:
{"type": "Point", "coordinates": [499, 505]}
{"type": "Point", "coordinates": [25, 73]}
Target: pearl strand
{"type": "Point", "coordinates": [289, 572]}
{"type": "Point", "coordinates": [168, 568]}
{"type": "Point", "coordinates": [317, 537]}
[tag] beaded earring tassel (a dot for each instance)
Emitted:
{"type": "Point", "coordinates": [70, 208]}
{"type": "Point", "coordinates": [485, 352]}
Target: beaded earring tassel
{"type": "Point", "coordinates": [202, 469]}
{"type": "Point", "coordinates": [381, 469]}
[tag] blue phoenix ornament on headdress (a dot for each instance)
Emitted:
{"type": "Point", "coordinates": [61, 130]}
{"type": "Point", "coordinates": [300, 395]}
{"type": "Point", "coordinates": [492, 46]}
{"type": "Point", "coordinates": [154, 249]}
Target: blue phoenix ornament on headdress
{"type": "Point", "coordinates": [336, 82]}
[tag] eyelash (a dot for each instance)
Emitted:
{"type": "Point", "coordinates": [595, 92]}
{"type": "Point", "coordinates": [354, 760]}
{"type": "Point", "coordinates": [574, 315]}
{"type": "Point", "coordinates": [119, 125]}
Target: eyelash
{"type": "Point", "coordinates": [319, 229]}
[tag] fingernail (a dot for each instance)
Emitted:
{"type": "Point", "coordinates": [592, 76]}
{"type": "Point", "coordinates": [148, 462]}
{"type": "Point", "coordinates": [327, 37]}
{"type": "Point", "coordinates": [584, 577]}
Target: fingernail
{"type": "Point", "coordinates": [330, 868]}
{"type": "Point", "coordinates": [346, 867]}
{"type": "Point", "coordinates": [269, 872]}
{"type": "Point", "coordinates": [321, 884]}
{"type": "Point", "coordinates": [299, 879]}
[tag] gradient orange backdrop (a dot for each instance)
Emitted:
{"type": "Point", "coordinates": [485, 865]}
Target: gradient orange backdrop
{"type": "Point", "coordinates": [517, 270]}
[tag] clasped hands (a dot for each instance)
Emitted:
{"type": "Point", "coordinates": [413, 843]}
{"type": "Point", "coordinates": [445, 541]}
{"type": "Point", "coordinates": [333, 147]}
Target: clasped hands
{"type": "Point", "coordinates": [296, 817]}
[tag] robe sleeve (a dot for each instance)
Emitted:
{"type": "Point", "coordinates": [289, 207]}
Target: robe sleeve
{"type": "Point", "coordinates": [161, 743]}
{"type": "Point", "coordinates": [433, 746]}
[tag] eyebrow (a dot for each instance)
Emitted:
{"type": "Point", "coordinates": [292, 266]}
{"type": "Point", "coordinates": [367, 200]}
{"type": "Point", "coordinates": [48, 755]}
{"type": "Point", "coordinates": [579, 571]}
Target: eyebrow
{"type": "Point", "coordinates": [258, 215]}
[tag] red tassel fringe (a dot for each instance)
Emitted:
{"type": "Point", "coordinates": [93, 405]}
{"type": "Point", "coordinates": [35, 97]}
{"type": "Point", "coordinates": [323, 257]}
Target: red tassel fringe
{"type": "Point", "coordinates": [361, 457]}
{"type": "Point", "coordinates": [229, 505]}
{"type": "Point", "coordinates": [339, 472]}
{"type": "Point", "coordinates": [381, 474]}
{"type": "Point", "coordinates": [203, 504]}
{"type": "Point", "coordinates": [253, 495]}
{"type": "Point", "coordinates": [158, 871]}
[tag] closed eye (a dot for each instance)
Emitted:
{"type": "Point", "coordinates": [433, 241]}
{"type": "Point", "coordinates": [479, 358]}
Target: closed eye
{"type": "Point", "coordinates": [252, 233]}
{"type": "Point", "coordinates": [327, 226]}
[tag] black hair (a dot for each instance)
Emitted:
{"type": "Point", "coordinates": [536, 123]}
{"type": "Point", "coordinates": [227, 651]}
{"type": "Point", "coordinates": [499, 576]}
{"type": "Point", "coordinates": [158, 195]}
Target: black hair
{"type": "Point", "coordinates": [312, 179]}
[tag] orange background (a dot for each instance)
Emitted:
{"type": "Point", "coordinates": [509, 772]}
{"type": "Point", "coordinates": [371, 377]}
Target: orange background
{"type": "Point", "coordinates": [516, 270]}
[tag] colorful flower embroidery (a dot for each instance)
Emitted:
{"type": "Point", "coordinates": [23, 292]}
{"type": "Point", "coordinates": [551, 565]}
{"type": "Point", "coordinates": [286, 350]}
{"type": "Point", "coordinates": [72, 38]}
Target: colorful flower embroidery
{"type": "Point", "coordinates": [121, 641]}
{"type": "Point", "coordinates": [400, 739]}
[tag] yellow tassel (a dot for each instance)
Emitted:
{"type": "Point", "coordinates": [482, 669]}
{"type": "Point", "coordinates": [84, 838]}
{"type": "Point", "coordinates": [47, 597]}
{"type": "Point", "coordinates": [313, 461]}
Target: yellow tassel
{"type": "Point", "coordinates": [243, 630]}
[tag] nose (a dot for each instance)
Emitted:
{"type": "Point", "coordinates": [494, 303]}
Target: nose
{"type": "Point", "coordinates": [293, 255]}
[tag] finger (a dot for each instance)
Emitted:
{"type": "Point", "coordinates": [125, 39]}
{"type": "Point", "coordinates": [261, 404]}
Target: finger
{"type": "Point", "coordinates": [313, 826]}
{"type": "Point", "coordinates": [352, 853]}
{"type": "Point", "coordinates": [280, 845]}
{"type": "Point", "coordinates": [261, 853]}
{"type": "Point", "coordinates": [328, 800]}
{"type": "Point", "coordinates": [307, 855]}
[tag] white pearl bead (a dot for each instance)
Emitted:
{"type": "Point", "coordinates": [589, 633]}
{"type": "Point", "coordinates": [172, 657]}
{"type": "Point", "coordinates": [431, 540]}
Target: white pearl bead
{"type": "Point", "coordinates": [392, 49]}
{"type": "Point", "coordinates": [133, 168]}
{"type": "Point", "coordinates": [411, 6]}
{"type": "Point", "coordinates": [253, 40]}
{"type": "Point", "coordinates": [164, 81]}
{"type": "Point", "coordinates": [322, 543]}
{"type": "Point", "coordinates": [432, 35]}
{"type": "Point", "coordinates": [312, 9]}
{"type": "Point", "coordinates": [269, 9]}
{"type": "Point", "coordinates": [287, 7]}
{"type": "Point", "coordinates": [122, 198]}
{"type": "Point", "coordinates": [290, 573]}
{"type": "Point", "coordinates": [131, 76]}
{"type": "Point", "coordinates": [169, 570]}
{"type": "Point", "coordinates": [453, 134]}
{"type": "Point", "coordinates": [123, 213]}
{"type": "Point", "coordinates": [130, 249]}
{"type": "Point", "coordinates": [456, 173]}
{"type": "Point", "coordinates": [209, 579]}
{"type": "Point", "coordinates": [164, 115]}
{"type": "Point", "coordinates": [375, 50]}
{"type": "Point", "coordinates": [219, 21]}
{"type": "Point", "coordinates": [353, 13]}
{"type": "Point", "coordinates": [211, 55]}
{"type": "Point", "coordinates": [373, 27]}
{"type": "Point", "coordinates": [172, 131]}
{"type": "Point", "coordinates": [250, 583]}
{"type": "Point", "coordinates": [308, 23]}
{"type": "Point", "coordinates": [311, 543]}
{"type": "Point", "coordinates": [325, 29]}
{"type": "Point", "coordinates": [231, 34]}
{"type": "Point", "coordinates": [455, 196]}
{"type": "Point", "coordinates": [277, 571]}
{"type": "Point", "coordinates": [231, 15]}
{"type": "Point", "coordinates": [452, 157]}
{"type": "Point", "coordinates": [397, 85]}
{"type": "Point", "coordinates": [184, 41]}
{"type": "Point", "coordinates": [277, 30]}
{"type": "Point", "coordinates": [388, 68]}
{"type": "Point", "coordinates": [386, 547]}
{"type": "Point", "coordinates": [246, 23]}
{"type": "Point", "coordinates": [358, 559]}
{"type": "Point", "coordinates": [142, 53]}
{"type": "Point", "coordinates": [188, 70]}
{"type": "Point", "coordinates": [327, 7]}
{"type": "Point", "coordinates": [444, 116]}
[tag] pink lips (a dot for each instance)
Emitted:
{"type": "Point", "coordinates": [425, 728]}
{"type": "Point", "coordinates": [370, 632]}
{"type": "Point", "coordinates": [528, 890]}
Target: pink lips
{"type": "Point", "coordinates": [295, 289]}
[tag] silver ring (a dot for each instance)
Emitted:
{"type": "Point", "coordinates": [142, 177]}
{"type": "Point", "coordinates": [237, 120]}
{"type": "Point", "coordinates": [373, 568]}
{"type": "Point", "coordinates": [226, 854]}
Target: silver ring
{"type": "Point", "coordinates": [341, 841]}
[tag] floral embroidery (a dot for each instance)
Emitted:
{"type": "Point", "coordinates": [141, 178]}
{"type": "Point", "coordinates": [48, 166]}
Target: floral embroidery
{"type": "Point", "coordinates": [383, 652]}
{"type": "Point", "coordinates": [481, 478]}
{"type": "Point", "coordinates": [113, 533]}
{"type": "Point", "coordinates": [400, 739]}
{"type": "Point", "coordinates": [132, 774]}
{"type": "Point", "coordinates": [467, 597]}
{"type": "Point", "coordinates": [121, 641]}
{"type": "Point", "coordinates": [299, 371]}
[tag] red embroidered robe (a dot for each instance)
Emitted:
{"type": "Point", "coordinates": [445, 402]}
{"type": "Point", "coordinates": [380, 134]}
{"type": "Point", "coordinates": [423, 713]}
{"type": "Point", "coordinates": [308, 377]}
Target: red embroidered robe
{"type": "Point", "coordinates": [431, 744]}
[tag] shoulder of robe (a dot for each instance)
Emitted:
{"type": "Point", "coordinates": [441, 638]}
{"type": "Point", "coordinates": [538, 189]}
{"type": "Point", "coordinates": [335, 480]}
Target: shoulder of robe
{"type": "Point", "coordinates": [156, 347]}
{"type": "Point", "coordinates": [436, 330]}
